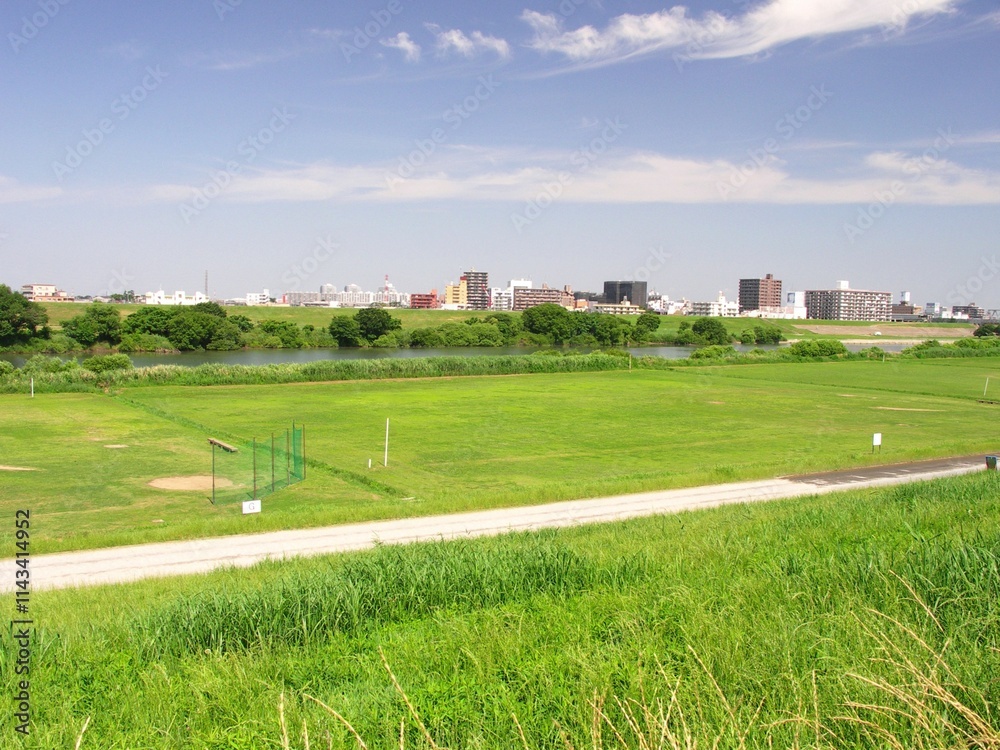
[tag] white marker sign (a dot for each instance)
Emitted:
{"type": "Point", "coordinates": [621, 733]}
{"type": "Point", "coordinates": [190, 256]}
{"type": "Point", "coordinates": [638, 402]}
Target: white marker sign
{"type": "Point", "coordinates": [251, 506]}
{"type": "Point", "coordinates": [877, 439]}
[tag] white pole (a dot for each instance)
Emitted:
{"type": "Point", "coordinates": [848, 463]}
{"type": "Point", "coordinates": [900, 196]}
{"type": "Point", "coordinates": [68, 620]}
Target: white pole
{"type": "Point", "coordinates": [987, 385]}
{"type": "Point", "coordinates": [385, 461]}
{"type": "Point", "coordinates": [32, 387]}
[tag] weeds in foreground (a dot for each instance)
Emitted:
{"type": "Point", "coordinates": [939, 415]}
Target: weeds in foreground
{"type": "Point", "coordinates": [923, 705]}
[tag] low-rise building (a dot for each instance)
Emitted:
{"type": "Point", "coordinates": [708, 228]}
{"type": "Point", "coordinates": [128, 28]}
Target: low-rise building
{"type": "Point", "coordinates": [525, 298]}
{"type": "Point", "coordinates": [177, 299]}
{"type": "Point", "coordinates": [720, 308]}
{"type": "Point", "coordinates": [45, 293]}
{"type": "Point", "coordinates": [419, 301]}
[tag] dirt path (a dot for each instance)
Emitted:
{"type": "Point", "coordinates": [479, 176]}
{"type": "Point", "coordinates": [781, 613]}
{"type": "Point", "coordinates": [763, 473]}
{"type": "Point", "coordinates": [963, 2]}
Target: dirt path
{"type": "Point", "coordinates": [120, 564]}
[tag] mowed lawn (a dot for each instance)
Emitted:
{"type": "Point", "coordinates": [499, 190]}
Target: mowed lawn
{"type": "Point", "coordinates": [956, 378]}
{"type": "Point", "coordinates": [83, 493]}
{"type": "Point", "coordinates": [468, 443]}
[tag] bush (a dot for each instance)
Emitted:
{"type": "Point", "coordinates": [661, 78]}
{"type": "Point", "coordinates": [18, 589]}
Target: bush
{"type": "Point", "coordinates": [714, 352]}
{"type": "Point", "coordinates": [817, 348]}
{"type": "Point", "coordinates": [107, 363]}
{"type": "Point", "coordinates": [40, 363]}
{"type": "Point", "coordinates": [6, 368]}
{"type": "Point", "coordinates": [146, 342]}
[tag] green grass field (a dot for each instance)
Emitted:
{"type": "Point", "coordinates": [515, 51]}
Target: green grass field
{"type": "Point", "coordinates": [855, 620]}
{"type": "Point", "coordinates": [471, 442]}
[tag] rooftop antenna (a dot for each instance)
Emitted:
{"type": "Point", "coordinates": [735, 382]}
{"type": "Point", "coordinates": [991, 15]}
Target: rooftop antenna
{"type": "Point", "coordinates": [206, 283]}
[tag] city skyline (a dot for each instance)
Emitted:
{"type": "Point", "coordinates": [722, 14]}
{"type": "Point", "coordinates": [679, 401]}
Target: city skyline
{"type": "Point", "coordinates": [845, 140]}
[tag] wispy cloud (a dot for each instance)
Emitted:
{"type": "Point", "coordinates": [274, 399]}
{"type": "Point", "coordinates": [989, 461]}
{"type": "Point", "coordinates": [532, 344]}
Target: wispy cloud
{"type": "Point", "coordinates": [402, 42]}
{"type": "Point", "coordinates": [464, 173]}
{"type": "Point", "coordinates": [11, 191]}
{"type": "Point", "coordinates": [455, 41]}
{"type": "Point", "coordinates": [715, 35]}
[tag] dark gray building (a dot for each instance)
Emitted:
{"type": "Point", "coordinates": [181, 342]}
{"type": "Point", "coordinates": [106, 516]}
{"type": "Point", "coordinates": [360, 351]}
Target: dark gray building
{"type": "Point", "coordinates": [633, 291]}
{"type": "Point", "coordinates": [758, 294]}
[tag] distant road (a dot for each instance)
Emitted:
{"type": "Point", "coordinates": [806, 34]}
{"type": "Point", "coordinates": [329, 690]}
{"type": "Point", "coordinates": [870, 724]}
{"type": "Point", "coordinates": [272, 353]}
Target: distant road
{"type": "Point", "coordinates": [121, 564]}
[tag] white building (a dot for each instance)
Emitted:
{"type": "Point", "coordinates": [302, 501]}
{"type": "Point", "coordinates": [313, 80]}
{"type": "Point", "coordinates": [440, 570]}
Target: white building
{"type": "Point", "coordinates": [503, 299]}
{"type": "Point", "coordinates": [177, 299]}
{"type": "Point", "coordinates": [255, 299]}
{"type": "Point", "coordinates": [720, 308]}
{"type": "Point", "coordinates": [663, 305]}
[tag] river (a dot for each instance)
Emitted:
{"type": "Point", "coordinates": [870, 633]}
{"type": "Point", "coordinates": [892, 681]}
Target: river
{"type": "Point", "coordinates": [279, 356]}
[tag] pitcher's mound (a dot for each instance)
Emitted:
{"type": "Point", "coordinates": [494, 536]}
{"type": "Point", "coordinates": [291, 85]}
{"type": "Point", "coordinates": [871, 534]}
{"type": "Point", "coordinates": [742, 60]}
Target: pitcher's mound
{"type": "Point", "coordinates": [189, 483]}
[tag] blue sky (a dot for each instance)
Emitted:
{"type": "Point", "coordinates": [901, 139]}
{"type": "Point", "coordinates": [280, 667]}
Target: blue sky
{"type": "Point", "coordinates": [290, 145]}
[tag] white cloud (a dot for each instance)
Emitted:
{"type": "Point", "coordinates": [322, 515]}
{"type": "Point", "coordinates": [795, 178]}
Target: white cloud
{"type": "Point", "coordinates": [462, 173]}
{"type": "Point", "coordinates": [715, 35]}
{"type": "Point", "coordinates": [11, 191]}
{"type": "Point", "coordinates": [402, 42]}
{"type": "Point", "coordinates": [456, 41]}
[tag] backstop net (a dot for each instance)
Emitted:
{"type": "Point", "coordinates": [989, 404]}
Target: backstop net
{"type": "Point", "coordinates": [258, 467]}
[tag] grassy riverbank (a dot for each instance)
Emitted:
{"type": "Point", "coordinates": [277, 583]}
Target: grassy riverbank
{"type": "Point", "coordinates": [853, 620]}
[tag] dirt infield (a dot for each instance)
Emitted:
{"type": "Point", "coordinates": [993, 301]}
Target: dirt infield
{"type": "Point", "coordinates": [916, 332]}
{"type": "Point", "coordinates": [16, 468]}
{"type": "Point", "coordinates": [189, 483]}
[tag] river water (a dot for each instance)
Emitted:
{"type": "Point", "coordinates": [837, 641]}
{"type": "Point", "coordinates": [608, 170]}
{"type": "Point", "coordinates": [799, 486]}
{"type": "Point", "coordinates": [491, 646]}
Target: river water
{"type": "Point", "coordinates": [279, 356]}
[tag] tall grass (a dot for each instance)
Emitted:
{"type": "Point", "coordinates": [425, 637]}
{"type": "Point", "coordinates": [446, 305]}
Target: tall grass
{"type": "Point", "coordinates": [327, 370]}
{"type": "Point", "coordinates": [392, 584]}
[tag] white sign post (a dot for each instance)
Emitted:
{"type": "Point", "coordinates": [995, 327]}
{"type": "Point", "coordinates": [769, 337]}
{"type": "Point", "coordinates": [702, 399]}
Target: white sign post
{"type": "Point", "coordinates": [385, 461]}
{"type": "Point", "coordinates": [251, 506]}
{"type": "Point", "coordinates": [877, 441]}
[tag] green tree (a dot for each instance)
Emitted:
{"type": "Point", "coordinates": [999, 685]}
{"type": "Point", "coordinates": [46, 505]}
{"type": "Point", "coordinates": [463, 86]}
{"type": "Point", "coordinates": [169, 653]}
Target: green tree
{"type": "Point", "coordinates": [289, 333]}
{"type": "Point", "coordinates": [550, 320]}
{"type": "Point", "coordinates": [192, 330]}
{"type": "Point", "coordinates": [646, 324]}
{"type": "Point", "coordinates": [20, 319]}
{"type": "Point", "coordinates": [211, 308]}
{"type": "Point", "coordinates": [711, 331]}
{"type": "Point", "coordinates": [242, 322]}
{"type": "Point", "coordinates": [149, 319]}
{"type": "Point", "coordinates": [100, 322]}
{"type": "Point", "coordinates": [226, 337]}
{"type": "Point", "coordinates": [508, 325]}
{"type": "Point", "coordinates": [345, 331]}
{"type": "Point", "coordinates": [374, 322]}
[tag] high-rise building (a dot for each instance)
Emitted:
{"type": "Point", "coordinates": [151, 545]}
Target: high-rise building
{"type": "Point", "coordinates": [760, 294]}
{"type": "Point", "coordinates": [478, 290]}
{"type": "Point", "coordinates": [844, 303]}
{"type": "Point", "coordinates": [634, 291]}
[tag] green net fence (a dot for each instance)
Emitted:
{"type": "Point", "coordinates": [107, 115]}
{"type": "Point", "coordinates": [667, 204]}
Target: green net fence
{"type": "Point", "coordinates": [258, 467]}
